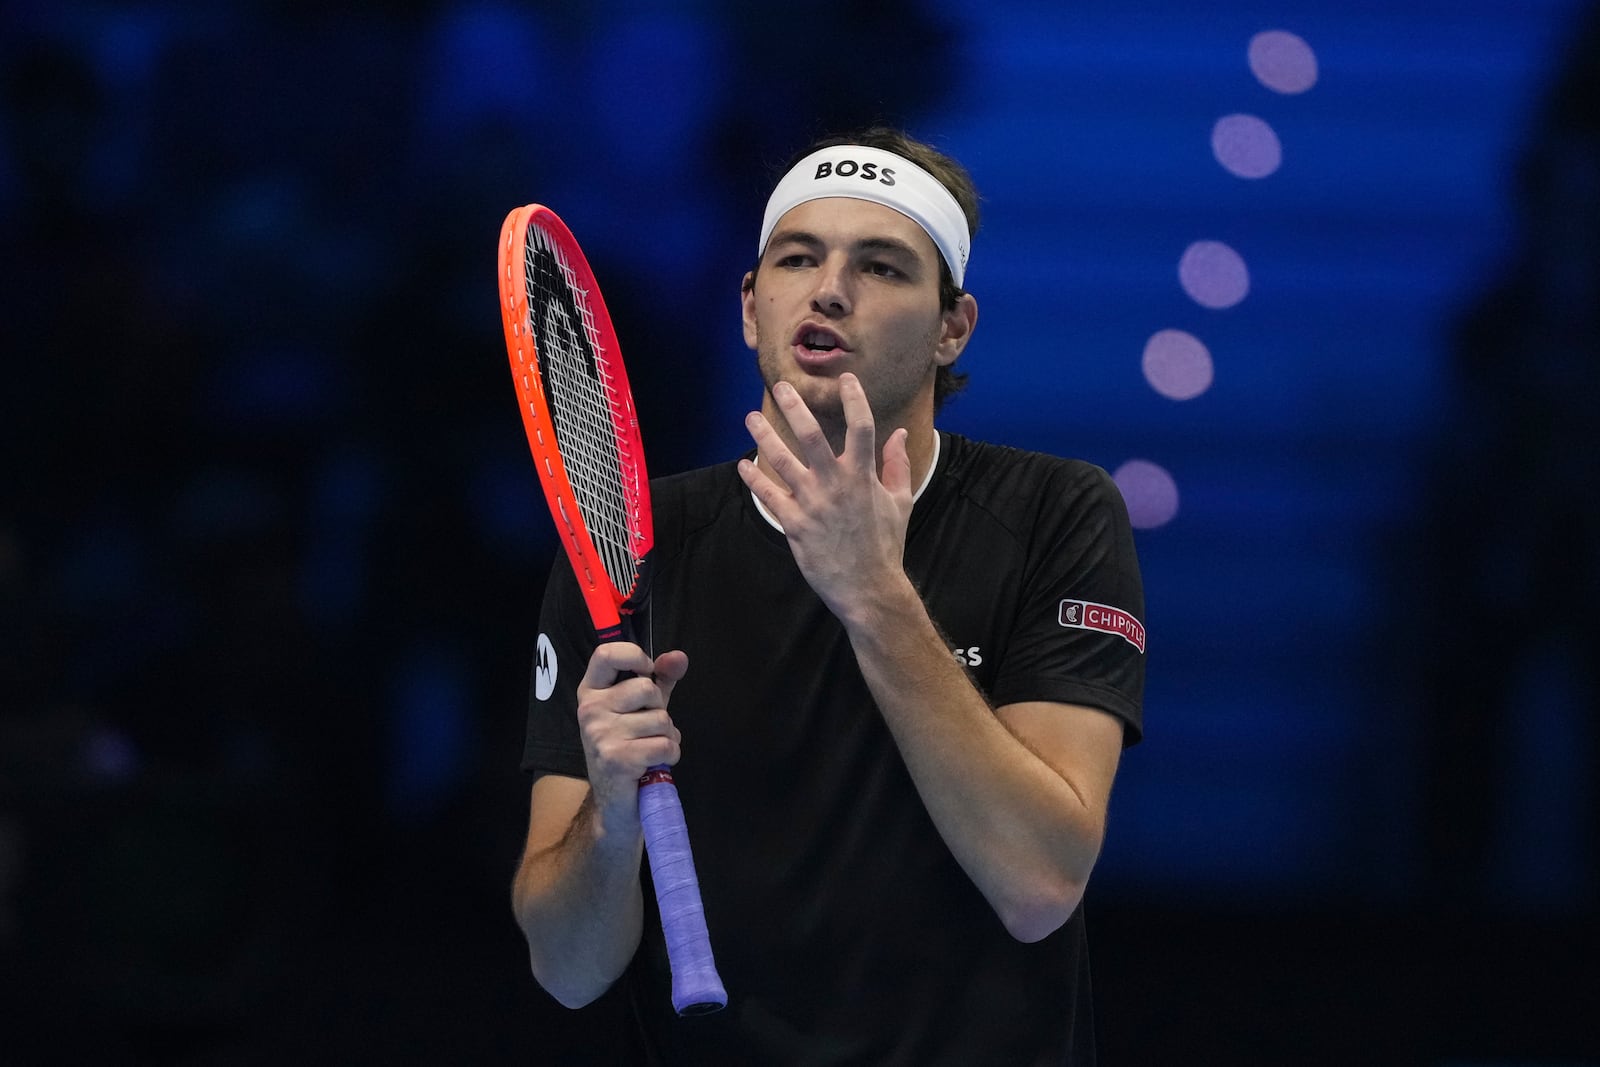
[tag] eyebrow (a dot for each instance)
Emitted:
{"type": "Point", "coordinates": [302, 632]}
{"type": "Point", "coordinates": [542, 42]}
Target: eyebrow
{"type": "Point", "coordinates": [865, 244]}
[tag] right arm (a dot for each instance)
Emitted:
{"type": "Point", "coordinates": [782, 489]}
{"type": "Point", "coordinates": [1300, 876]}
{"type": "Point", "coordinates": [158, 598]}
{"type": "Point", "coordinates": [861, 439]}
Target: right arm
{"type": "Point", "coordinates": [577, 895]}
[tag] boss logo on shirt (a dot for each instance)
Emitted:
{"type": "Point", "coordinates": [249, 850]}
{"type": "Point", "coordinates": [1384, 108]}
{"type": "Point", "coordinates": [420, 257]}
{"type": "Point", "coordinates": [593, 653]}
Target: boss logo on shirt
{"type": "Point", "coordinates": [1083, 615]}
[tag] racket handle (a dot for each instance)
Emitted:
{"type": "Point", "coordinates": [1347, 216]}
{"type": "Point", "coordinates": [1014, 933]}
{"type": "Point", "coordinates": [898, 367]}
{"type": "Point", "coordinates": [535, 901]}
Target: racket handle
{"type": "Point", "coordinates": [696, 987]}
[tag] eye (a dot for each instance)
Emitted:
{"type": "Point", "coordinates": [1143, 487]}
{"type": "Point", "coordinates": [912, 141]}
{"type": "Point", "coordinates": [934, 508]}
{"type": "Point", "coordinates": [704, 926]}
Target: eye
{"type": "Point", "coordinates": [883, 270]}
{"type": "Point", "coordinates": [795, 259]}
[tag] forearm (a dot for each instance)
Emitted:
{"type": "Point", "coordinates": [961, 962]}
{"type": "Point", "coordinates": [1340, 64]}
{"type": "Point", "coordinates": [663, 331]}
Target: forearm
{"type": "Point", "coordinates": [580, 907]}
{"type": "Point", "coordinates": [1025, 828]}
{"type": "Point", "coordinates": [1023, 832]}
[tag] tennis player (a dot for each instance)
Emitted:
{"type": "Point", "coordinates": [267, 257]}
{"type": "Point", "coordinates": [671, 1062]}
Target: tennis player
{"type": "Point", "coordinates": [903, 667]}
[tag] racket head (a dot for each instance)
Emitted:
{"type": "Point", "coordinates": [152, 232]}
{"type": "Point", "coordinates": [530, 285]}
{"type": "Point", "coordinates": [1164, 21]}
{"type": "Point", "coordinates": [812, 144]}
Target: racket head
{"type": "Point", "coordinates": [578, 413]}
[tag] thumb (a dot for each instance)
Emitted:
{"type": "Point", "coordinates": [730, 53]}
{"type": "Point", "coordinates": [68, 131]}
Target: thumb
{"type": "Point", "coordinates": [670, 669]}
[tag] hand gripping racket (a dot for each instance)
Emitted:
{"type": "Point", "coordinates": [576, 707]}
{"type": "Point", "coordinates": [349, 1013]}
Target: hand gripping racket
{"type": "Point", "coordinates": [578, 412]}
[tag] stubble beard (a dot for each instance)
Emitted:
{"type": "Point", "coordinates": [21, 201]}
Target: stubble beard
{"type": "Point", "coordinates": [891, 398]}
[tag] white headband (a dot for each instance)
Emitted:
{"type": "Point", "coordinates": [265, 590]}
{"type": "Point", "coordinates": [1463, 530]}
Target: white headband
{"type": "Point", "coordinates": [862, 173]}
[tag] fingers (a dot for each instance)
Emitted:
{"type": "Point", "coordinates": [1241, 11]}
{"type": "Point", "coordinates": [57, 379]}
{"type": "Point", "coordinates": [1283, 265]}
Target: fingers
{"type": "Point", "coordinates": [777, 496]}
{"type": "Point", "coordinates": [648, 726]}
{"type": "Point", "coordinates": [815, 451]}
{"type": "Point", "coordinates": [801, 469]}
{"type": "Point", "coordinates": [897, 462]}
{"type": "Point", "coordinates": [860, 435]}
{"type": "Point", "coordinates": [616, 759]}
{"type": "Point", "coordinates": [613, 659]}
{"type": "Point", "coordinates": [772, 448]}
{"type": "Point", "coordinates": [622, 716]}
{"type": "Point", "coordinates": [808, 435]}
{"type": "Point", "coordinates": [624, 679]}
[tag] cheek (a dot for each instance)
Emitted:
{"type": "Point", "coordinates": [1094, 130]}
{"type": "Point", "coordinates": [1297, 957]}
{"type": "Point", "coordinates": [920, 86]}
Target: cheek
{"type": "Point", "coordinates": [919, 332]}
{"type": "Point", "coordinates": [769, 323]}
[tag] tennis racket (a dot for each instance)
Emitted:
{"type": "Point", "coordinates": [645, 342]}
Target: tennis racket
{"type": "Point", "coordinates": [578, 412]}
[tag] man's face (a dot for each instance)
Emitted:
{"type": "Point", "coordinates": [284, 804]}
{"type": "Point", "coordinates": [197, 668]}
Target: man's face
{"type": "Point", "coordinates": [850, 285]}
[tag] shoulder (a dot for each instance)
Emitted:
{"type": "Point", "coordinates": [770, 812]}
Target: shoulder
{"type": "Point", "coordinates": [689, 501]}
{"type": "Point", "coordinates": [1018, 486]}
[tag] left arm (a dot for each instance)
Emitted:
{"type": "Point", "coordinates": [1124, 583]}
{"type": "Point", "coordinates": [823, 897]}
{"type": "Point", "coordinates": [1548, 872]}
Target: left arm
{"type": "Point", "coordinates": [1018, 793]}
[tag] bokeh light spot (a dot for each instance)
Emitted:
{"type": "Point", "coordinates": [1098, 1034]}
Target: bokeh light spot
{"type": "Point", "coordinates": [1246, 146]}
{"type": "Point", "coordinates": [1213, 274]}
{"type": "Point", "coordinates": [109, 755]}
{"type": "Point", "coordinates": [1177, 364]}
{"type": "Point", "coordinates": [1149, 492]}
{"type": "Point", "coordinates": [1282, 61]}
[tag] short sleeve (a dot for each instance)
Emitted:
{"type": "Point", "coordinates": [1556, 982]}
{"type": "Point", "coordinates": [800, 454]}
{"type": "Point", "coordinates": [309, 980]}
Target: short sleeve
{"type": "Point", "coordinates": [1078, 636]}
{"type": "Point", "coordinates": [561, 654]}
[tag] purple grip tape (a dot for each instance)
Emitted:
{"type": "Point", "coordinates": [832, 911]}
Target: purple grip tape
{"type": "Point", "coordinates": [696, 987]}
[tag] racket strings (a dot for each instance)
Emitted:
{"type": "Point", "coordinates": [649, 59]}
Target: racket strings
{"type": "Point", "coordinates": [579, 391]}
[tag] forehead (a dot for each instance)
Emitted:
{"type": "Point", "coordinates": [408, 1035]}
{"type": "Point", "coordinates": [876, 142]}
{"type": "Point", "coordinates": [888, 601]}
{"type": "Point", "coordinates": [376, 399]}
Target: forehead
{"type": "Point", "coordinates": [844, 220]}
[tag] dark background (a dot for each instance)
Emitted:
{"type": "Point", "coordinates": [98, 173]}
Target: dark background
{"type": "Point", "coordinates": [271, 549]}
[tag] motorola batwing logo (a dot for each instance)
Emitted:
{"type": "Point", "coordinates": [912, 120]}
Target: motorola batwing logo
{"type": "Point", "coordinates": [544, 669]}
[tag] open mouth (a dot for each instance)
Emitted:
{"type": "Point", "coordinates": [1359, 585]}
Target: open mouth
{"type": "Point", "coordinates": [818, 341]}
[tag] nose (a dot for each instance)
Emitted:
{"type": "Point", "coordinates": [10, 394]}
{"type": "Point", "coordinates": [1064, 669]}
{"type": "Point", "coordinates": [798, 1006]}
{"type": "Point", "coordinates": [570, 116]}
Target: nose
{"type": "Point", "coordinates": [832, 294]}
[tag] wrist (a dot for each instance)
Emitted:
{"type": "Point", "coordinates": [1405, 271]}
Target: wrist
{"type": "Point", "coordinates": [882, 608]}
{"type": "Point", "coordinates": [614, 826]}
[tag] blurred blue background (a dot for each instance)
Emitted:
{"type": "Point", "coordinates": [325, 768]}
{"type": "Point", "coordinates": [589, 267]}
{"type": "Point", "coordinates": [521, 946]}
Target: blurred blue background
{"type": "Point", "coordinates": [271, 548]}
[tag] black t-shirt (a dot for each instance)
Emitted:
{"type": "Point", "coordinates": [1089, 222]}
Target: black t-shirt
{"type": "Point", "coordinates": [843, 928]}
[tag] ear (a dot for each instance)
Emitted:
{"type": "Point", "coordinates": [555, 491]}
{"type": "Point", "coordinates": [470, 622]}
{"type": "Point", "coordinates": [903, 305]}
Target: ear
{"type": "Point", "coordinates": [747, 300]}
{"type": "Point", "coordinates": [956, 331]}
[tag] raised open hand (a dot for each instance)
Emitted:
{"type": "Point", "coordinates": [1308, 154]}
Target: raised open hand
{"type": "Point", "coordinates": [846, 523]}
